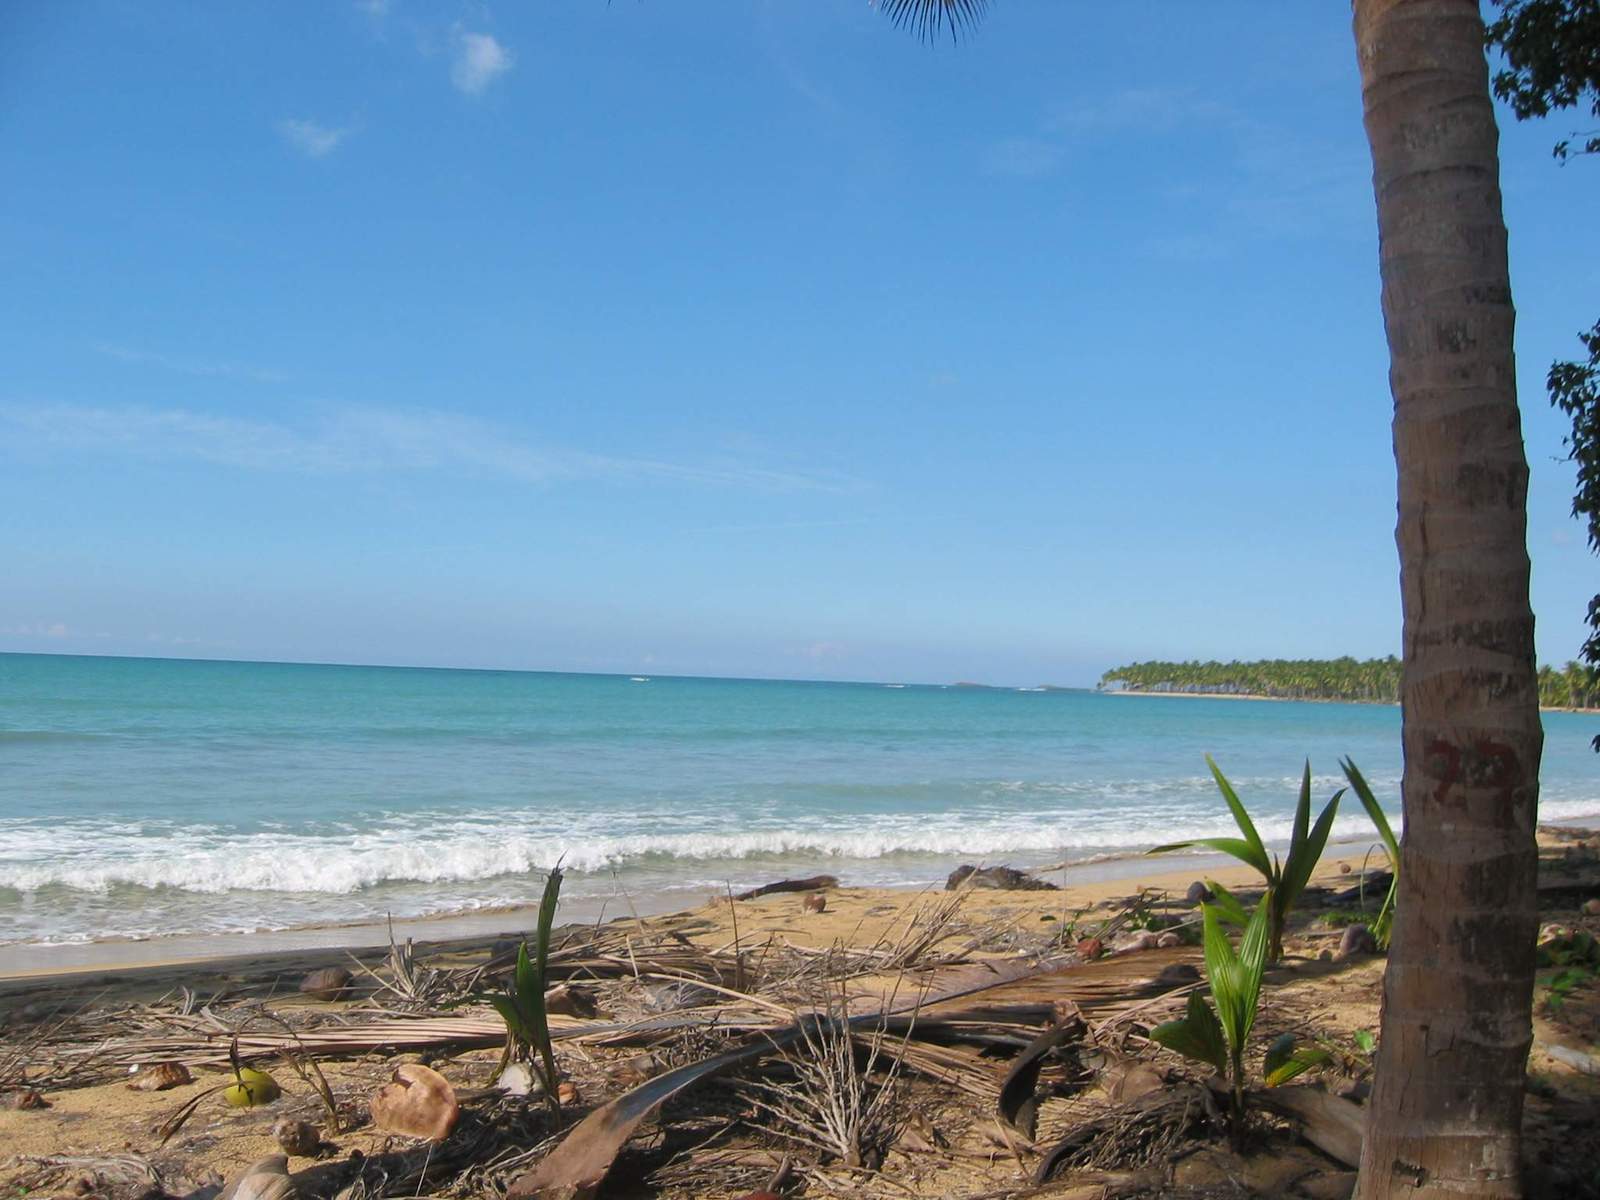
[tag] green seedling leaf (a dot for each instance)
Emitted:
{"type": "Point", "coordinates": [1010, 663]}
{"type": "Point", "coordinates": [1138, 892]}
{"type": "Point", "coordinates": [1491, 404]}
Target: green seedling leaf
{"type": "Point", "coordinates": [1195, 1035]}
{"type": "Point", "coordinates": [1365, 1042]}
{"type": "Point", "coordinates": [1285, 1060]}
{"type": "Point", "coordinates": [1227, 905]}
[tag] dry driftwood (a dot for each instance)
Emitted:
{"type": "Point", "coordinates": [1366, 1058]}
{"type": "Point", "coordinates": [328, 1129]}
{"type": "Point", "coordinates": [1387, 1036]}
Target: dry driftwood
{"type": "Point", "coordinates": [814, 883]}
{"type": "Point", "coordinates": [1330, 1123]}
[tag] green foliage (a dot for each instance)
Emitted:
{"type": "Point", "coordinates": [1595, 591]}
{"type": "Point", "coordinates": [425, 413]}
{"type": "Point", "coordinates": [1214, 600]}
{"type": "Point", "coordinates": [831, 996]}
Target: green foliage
{"type": "Point", "coordinates": [1573, 386]}
{"type": "Point", "coordinates": [1551, 54]}
{"type": "Point", "coordinates": [1375, 679]}
{"type": "Point", "coordinates": [1552, 60]}
{"type": "Point", "coordinates": [1366, 1041]}
{"type": "Point", "coordinates": [1286, 880]}
{"type": "Point", "coordinates": [1286, 1059]}
{"type": "Point", "coordinates": [1218, 1038]}
{"type": "Point", "coordinates": [522, 1005]}
{"type": "Point", "coordinates": [1197, 1035]}
{"type": "Point", "coordinates": [1384, 925]}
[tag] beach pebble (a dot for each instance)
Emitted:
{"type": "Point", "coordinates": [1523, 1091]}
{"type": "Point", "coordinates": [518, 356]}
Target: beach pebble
{"type": "Point", "coordinates": [418, 1102]}
{"type": "Point", "coordinates": [297, 1138]}
{"type": "Point", "coordinates": [1356, 939]}
{"type": "Point", "coordinates": [25, 1100]}
{"type": "Point", "coordinates": [1198, 893]}
{"type": "Point", "coordinates": [1144, 940]}
{"type": "Point", "coordinates": [814, 903]}
{"type": "Point", "coordinates": [519, 1079]}
{"type": "Point", "coordinates": [1591, 908]}
{"type": "Point", "coordinates": [161, 1076]}
{"type": "Point", "coordinates": [265, 1180]}
{"type": "Point", "coordinates": [328, 983]}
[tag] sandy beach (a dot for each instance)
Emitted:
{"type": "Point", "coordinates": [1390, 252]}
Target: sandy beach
{"type": "Point", "coordinates": [79, 1032]}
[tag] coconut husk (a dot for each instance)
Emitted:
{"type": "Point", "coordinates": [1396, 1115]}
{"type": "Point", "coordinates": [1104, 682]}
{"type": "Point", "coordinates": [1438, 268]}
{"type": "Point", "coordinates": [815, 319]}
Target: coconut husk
{"type": "Point", "coordinates": [418, 1102]}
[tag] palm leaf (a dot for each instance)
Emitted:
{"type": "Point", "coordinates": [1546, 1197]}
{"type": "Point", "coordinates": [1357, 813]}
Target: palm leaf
{"type": "Point", "coordinates": [1374, 811]}
{"type": "Point", "coordinates": [1250, 855]}
{"type": "Point", "coordinates": [1242, 819]}
{"type": "Point", "coordinates": [541, 1018]}
{"type": "Point", "coordinates": [1307, 852]}
{"type": "Point", "coordinates": [928, 18]}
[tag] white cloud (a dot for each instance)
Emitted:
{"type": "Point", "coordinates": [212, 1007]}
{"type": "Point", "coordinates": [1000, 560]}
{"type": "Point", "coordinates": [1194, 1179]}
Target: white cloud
{"type": "Point", "coordinates": [54, 629]}
{"type": "Point", "coordinates": [312, 138]}
{"type": "Point", "coordinates": [188, 366]}
{"type": "Point", "coordinates": [363, 440]}
{"type": "Point", "coordinates": [479, 61]}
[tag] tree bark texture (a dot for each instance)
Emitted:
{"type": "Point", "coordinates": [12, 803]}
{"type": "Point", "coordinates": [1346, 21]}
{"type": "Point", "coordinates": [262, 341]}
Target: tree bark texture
{"type": "Point", "coordinates": [1446, 1113]}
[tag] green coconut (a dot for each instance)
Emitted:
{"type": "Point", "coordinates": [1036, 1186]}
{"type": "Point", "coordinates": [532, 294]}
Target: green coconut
{"type": "Point", "coordinates": [250, 1088]}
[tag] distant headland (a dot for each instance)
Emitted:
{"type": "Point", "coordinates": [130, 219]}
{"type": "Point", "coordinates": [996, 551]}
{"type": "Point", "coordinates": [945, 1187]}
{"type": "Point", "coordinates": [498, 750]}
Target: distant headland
{"type": "Point", "coordinates": [1362, 681]}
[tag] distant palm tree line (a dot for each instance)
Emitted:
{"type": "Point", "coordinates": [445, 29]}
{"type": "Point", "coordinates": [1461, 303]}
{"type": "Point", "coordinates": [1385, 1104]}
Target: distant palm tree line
{"type": "Point", "coordinates": [1371, 680]}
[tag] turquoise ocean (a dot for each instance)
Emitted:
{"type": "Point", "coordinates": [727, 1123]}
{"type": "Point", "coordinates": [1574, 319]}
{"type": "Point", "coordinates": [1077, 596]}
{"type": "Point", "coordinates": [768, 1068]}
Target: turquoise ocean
{"type": "Point", "coordinates": [149, 797]}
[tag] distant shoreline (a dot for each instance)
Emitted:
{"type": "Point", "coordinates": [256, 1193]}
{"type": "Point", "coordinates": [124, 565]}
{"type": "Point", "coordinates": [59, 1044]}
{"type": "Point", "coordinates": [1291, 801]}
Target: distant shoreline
{"type": "Point", "coordinates": [1295, 699]}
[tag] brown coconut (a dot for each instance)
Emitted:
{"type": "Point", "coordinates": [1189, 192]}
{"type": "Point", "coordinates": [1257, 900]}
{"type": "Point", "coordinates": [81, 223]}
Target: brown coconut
{"type": "Point", "coordinates": [328, 983]}
{"type": "Point", "coordinates": [160, 1077]}
{"type": "Point", "coordinates": [418, 1102]}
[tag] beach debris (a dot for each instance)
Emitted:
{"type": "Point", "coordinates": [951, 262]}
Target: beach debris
{"type": "Point", "coordinates": [1198, 893]}
{"type": "Point", "coordinates": [583, 1158]}
{"type": "Point", "coordinates": [327, 983]}
{"type": "Point", "coordinates": [567, 1001]}
{"type": "Point", "coordinates": [814, 883]}
{"type": "Point", "coordinates": [1344, 868]}
{"type": "Point", "coordinates": [1356, 940]}
{"type": "Point", "coordinates": [1018, 1103]}
{"type": "Point", "coordinates": [1091, 947]}
{"type": "Point", "coordinates": [1591, 907]}
{"type": "Point", "coordinates": [299, 1139]}
{"type": "Point", "coordinates": [158, 1077]}
{"type": "Point", "coordinates": [418, 1102]}
{"type": "Point", "coordinates": [1002, 879]}
{"type": "Point", "coordinates": [814, 903]}
{"type": "Point", "coordinates": [264, 1180]}
{"type": "Point", "coordinates": [1143, 1130]}
{"type": "Point", "coordinates": [1168, 939]}
{"type": "Point", "coordinates": [25, 1100]}
{"type": "Point", "coordinates": [567, 1092]}
{"type": "Point", "coordinates": [250, 1087]}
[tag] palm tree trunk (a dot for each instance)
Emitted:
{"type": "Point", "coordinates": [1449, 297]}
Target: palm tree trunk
{"type": "Point", "coordinates": [1446, 1114]}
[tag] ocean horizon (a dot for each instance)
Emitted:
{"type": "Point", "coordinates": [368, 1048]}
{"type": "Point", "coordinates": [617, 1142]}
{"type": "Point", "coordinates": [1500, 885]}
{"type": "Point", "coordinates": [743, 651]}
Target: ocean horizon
{"type": "Point", "coordinates": [155, 798]}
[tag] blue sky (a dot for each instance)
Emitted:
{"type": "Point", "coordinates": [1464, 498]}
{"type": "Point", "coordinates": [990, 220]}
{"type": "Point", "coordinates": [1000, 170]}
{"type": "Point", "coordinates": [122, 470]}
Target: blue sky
{"type": "Point", "coordinates": [720, 338]}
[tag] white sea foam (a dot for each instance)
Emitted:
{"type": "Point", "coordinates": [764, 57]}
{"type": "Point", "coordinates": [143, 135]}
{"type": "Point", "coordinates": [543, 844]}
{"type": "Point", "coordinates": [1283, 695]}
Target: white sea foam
{"type": "Point", "coordinates": [463, 851]}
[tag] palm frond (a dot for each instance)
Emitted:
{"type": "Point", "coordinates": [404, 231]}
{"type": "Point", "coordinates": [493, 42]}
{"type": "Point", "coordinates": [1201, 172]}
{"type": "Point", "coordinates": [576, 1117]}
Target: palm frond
{"type": "Point", "coordinates": [929, 18]}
